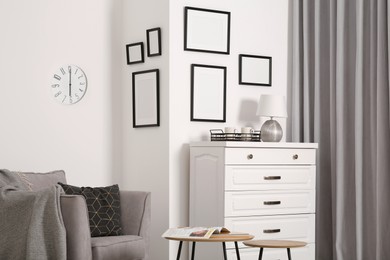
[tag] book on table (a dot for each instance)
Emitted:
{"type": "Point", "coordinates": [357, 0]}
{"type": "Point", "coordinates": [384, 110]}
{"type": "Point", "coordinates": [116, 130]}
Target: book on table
{"type": "Point", "coordinates": [198, 232]}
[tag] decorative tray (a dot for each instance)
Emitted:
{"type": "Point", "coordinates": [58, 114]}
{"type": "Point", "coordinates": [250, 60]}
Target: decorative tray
{"type": "Point", "coordinates": [219, 135]}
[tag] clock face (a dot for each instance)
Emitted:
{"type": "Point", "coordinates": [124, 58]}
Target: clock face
{"type": "Point", "coordinates": [69, 84]}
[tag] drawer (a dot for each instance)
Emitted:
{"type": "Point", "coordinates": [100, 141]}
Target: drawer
{"type": "Point", "coordinates": [252, 203]}
{"type": "Point", "coordinates": [289, 227]}
{"type": "Point", "coordinates": [301, 253]}
{"type": "Point", "coordinates": [290, 177]}
{"type": "Point", "coordinates": [269, 156]}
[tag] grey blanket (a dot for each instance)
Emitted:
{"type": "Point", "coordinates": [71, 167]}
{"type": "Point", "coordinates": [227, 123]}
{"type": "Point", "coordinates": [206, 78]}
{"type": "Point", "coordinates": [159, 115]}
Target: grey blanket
{"type": "Point", "coordinates": [31, 225]}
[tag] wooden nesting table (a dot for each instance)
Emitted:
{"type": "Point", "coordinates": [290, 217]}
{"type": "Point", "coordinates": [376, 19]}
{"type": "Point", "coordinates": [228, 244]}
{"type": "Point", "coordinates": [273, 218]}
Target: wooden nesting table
{"type": "Point", "coordinates": [222, 238]}
{"type": "Point", "coordinates": [274, 244]}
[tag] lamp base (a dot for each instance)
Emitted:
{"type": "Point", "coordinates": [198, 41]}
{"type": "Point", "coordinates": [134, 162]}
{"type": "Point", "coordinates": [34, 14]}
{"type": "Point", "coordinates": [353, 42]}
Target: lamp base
{"type": "Point", "coordinates": [271, 131]}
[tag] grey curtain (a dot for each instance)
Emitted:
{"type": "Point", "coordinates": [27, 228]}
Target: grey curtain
{"type": "Point", "coordinates": [339, 97]}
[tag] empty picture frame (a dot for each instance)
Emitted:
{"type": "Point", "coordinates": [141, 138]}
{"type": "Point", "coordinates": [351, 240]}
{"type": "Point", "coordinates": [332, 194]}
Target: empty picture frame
{"type": "Point", "coordinates": [255, 70]}
{"type": "Point", "coordinates": [153, 45]}
{"type": "Point", "coordinates": [146, 102]}
{"type": "Point", "coordinates": [206, 30]}
{"type": "Point", "coordinates": [208, 93]}
{"type": "Point", "coordinates": [135, 53]}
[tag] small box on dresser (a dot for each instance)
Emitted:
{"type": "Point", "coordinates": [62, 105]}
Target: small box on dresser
{"type": "Point", "coordinates": [265, 189]}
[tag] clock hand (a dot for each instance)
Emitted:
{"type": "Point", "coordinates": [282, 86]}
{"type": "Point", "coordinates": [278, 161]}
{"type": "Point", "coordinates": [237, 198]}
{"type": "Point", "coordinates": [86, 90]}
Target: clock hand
{"type": "Point", "coordinates": [70, 81]}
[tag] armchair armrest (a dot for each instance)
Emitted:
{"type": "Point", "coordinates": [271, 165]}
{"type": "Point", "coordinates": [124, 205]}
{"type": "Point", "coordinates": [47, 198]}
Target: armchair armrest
{"type": "Point", "coordinates": [136, 215]}
{"type": "Point", "coordinates": [76, 220]}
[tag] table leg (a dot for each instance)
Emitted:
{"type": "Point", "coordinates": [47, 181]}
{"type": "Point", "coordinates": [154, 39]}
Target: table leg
{"type": "Point", "coordinates": [224, 250]}
{"type": "Point", "coordinates": [179, 251]}
{"type": "Point", "coordinates": [261, 253]}
{"type": "Point", "coordinates": [288, 253]}
{"type": "Point", "coordinates": [237, 252]}
{"type": "Point", "coordinates": [193, 251]}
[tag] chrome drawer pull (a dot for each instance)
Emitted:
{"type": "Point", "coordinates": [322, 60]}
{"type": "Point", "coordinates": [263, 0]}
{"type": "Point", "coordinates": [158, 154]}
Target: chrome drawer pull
{"type": "Point", "coordinates": [272, 202]}
{"type": "Point", "coordinates": [268, 231]}
{"type": "Point", "coordinates": [295, 156]}
{"type": "Point", "coordinates": [267, 178]}
{"type": "Point", "coordinates": [250, 156]}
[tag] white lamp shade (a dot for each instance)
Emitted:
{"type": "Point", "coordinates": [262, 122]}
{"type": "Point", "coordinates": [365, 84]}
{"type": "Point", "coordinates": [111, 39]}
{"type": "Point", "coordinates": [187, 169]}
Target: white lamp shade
{"type": "Point", "coordinates": [272, 106]}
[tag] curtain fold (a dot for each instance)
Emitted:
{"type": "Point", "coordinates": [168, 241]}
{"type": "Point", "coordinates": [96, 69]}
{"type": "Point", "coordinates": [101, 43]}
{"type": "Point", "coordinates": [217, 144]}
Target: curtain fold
{"type": "Point", "coordinates": [339, 97]}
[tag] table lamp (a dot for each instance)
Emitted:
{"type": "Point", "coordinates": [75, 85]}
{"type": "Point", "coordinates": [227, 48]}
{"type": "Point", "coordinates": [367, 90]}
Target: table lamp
{"type": "Point", "coordinates": [272, 106]}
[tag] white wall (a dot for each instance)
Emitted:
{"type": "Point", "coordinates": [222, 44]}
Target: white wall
{"type": "Point", "coordinates": [38, 134]}
{"type": "Point", "coordinates": [145, 153]}
{"type": "Point", "coordinates": [156, 159]}
{"type": "Point", "coordinates": [258, 27]}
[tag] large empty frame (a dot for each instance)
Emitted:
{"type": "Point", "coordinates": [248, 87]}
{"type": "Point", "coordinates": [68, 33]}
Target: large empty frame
{"type": "Point", "coordinates": [208, 93]}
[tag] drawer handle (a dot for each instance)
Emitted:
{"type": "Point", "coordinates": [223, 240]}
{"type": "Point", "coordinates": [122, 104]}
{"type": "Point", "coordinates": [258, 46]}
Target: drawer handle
{"type": "Point", "coordinates": [267, 178]}
{"type": "Point", "coordinates": [250, 156]}
{"type": "Point", "coordinates": [278, 202]}
{"type": "Point", "coordinates": [295, 157]}
{"type": "Point", "coordinates": [269, 231]}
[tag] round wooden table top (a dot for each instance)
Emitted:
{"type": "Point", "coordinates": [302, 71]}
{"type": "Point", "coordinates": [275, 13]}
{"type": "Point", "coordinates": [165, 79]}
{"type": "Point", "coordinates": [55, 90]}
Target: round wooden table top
{"type": "Point", "coordinates": [275, 243]}
{"type": "Point", "coordinates": [215, 238]}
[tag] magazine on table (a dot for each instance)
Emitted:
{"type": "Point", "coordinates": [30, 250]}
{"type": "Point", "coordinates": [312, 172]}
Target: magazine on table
{"type": "Point", "coordinates": [199, 232]}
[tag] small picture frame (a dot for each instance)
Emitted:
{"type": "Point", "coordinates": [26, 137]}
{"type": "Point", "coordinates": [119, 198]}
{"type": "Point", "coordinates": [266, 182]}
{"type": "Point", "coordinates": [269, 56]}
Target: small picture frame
{"type": "Point", "coordinates": [255, 70]}
{"type": "Point", "coordinates": [153, 45]}
{"type": "Point", "coordinates": [135, 53]}
{"type": "Point", "coordinates": [208, 93]}
{"type": "Point", "coordinates": [146, 102]}
{"type": "Point", "coordinates": [206, 30]}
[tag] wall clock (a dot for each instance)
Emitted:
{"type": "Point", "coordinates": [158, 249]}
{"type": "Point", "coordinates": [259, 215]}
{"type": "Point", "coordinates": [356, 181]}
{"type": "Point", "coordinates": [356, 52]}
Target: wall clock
{"type": "Point", "coordinates": [69, 84]}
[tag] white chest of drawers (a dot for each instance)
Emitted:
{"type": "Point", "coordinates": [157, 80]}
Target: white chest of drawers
{"type": "Point", "coordinates": [265, 189]}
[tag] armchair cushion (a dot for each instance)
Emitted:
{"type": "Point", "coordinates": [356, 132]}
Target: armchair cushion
{"type": "Point", "coordinates": [118, 248]}
{"type": "Point", "coordinates": [103, 205]}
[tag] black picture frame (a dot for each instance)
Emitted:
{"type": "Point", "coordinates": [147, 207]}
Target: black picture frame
{"type": "Point", "coordinates": [204, 106]}
{"type": "Point", "coordinates": [153, 42]}
{"type": "Point", "coordinates": [146, 103]}
{"type": "Point", "coordinates": [199, 44]}
{"type": "Point", "coordinates": [135, 53]}
{"type": "Point", "coordinates": [255, 70]}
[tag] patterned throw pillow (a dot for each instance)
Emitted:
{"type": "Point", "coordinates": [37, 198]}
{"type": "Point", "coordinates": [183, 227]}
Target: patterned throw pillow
{"type": "Point", "coordinates": [103, 205]}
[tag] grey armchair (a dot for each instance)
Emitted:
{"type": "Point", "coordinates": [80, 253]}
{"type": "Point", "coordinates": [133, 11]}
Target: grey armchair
{"type": "Point", "coordinates": [135, 218]}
